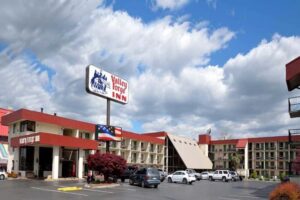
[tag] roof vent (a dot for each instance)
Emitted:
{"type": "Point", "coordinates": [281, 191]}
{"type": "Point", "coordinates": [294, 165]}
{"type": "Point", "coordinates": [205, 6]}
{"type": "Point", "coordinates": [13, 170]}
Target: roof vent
{"type": "Point", "coordinates": [54, 114]}
{"type": "Point", "coordinates": [42, 110]}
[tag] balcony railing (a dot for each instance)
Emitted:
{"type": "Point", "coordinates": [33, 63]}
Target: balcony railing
{"type": "Point", "coordinates": [294, 106]}
{"type": "Point", "coordinates": [294, 144]}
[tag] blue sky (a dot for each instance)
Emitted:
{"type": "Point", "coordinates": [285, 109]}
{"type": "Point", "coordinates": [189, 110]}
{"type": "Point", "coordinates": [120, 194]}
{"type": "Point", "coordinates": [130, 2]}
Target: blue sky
{"type": "Point", "coordinates": [191, 65]}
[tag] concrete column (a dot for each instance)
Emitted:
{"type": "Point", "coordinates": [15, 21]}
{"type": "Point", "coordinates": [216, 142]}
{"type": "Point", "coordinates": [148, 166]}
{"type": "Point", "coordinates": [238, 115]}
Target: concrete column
{"type": "Point", "coordinates": [77, 133]}
{"type": "Point", "coordinates": [16, 160]}
{"type": "Point", "coordinates": [10, 159]}
{"type": "Point", "coordinates": [80, 163]}
{"type": "Point", "coordinates": [55, 162]}
{"type": "Point", "coordinates": [246, 160]}
{"type": "Point", "coordinates": [36, 160]}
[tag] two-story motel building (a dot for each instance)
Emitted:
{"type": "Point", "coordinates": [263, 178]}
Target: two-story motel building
{"type": "Point", "coordinates": [43, 145]}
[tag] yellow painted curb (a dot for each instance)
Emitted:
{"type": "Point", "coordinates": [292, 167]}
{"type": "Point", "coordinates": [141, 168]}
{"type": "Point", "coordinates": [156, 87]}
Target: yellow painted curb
{"type": "Point", "coordinates": [67, 189]}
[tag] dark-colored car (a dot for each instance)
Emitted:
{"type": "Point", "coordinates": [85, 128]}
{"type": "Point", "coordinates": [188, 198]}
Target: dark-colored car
{"type": "Point", "coordinates": [145, 177]}
{"type": "Point", "coordinates": [128, 171]}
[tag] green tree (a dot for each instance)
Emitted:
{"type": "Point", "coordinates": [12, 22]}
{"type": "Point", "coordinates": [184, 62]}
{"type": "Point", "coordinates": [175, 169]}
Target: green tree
{"type": "Point", "coordinates": [234, 162]}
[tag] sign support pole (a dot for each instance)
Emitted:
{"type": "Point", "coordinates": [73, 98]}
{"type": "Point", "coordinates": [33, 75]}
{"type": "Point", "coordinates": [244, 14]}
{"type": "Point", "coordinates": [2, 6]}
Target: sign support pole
{"type": "Point", "coordinates": [107, 120]}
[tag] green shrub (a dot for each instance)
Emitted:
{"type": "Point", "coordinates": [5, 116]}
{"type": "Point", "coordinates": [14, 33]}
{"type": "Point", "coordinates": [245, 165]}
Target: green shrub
{"type": "Point", "coordinates": [253, 175]}
{"type": "Point", "coordinates": [281, 176]}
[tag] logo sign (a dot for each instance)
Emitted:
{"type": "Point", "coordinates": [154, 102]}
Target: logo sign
{"type": "Point", "coordinates": [106, 85]}
{"type": "Point", "coordinates": [108, 133]}
{"type": "Point", "coordinates": [29, 140]}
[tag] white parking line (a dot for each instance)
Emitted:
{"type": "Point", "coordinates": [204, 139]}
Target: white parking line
{"type": "Point", "coordinates": [245, 196]}
{"type": "Point", "coordinates": [43, 189]}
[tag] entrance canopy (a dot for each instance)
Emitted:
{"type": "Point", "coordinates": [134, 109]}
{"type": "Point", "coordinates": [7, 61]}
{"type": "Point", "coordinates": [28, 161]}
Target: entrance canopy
{"type": "Point", "coordinates": [51, 139]}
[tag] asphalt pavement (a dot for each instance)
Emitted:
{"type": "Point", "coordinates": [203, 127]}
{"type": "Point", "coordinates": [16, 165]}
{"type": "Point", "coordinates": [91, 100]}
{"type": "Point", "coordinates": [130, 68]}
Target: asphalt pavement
{"type": "Point", "coordinates": [206, 190]}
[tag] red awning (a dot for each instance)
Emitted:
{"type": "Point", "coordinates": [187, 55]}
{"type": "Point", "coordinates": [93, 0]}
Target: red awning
{"type": "Point", "coordinates": [51, 139]}
{"type": "Point", "coordinates": [241, 143]}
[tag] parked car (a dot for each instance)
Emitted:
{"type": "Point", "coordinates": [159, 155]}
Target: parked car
{"type": "Point", "coordinates": [145, 177]}
{"type": "Point", "coordinates": [236, 176]}
{"type": "Point", "coordinates": [162, 174]}
{"type": "Point", "coordinates": [181, 177]}
{"type": "Point", "coordinates": [205, 175]}
{"type": "Point", "coordinates": [223, 175]}
{"type": "Point", "coordinates": [128, 171]}
{"type": "Point", "coordinates": [3, 175]}
{"type": "Point", "coordinates": [194, 173]}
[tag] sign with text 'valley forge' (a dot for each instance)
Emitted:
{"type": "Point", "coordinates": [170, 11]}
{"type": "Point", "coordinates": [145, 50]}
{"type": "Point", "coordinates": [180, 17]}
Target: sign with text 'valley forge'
{"type": "Point", "coordinates": [108, 133]}
{"type": "Point", "coordinates": [106, 85]}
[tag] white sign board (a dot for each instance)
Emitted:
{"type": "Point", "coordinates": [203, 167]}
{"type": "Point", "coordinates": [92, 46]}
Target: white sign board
{"type": "Point", "coordinates": [106, 85]}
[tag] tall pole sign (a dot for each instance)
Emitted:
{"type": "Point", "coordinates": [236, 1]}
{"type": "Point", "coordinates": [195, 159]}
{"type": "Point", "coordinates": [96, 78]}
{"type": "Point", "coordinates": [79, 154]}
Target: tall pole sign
{"type": "Point", "coordinates": [106, 85]}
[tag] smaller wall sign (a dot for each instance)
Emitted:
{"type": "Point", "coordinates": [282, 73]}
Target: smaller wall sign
{"type": "Point", "coordinates": [29, 140]}
{"type": "Point", "coordinates": [106, 85]}
{"type": "Point", "coordinates": [108, 133]}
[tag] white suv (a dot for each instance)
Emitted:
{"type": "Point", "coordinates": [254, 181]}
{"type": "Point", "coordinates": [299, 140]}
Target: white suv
{"type": "Point", "coordinates": [3, 175]}
{"type": "Point", "coordinates": [223, 175]}
{"type": "Point", "coordinates": [181, 177]}
{"type": "Point", "coordinates": [194, 173]}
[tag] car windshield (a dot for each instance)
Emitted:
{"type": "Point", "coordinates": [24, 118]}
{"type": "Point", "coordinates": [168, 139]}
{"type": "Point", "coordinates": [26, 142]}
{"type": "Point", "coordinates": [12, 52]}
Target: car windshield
{"type": "Point", "coordinates": [153, 171]}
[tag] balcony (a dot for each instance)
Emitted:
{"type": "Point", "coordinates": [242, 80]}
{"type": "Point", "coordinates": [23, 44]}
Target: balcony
{"type": "Point", "coordinates": [294, 106]}
{"type": "Point", "coordinates": [294, 138]}
{"type": "Point", "coordinates": [293, 74]}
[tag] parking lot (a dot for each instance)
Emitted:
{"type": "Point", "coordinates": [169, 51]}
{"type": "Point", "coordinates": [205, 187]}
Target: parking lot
{"type": "Point", "coordinates": [206, 190]}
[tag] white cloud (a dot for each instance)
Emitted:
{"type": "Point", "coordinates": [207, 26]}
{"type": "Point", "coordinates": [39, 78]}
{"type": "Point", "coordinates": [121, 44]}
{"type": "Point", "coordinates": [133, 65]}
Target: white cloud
{"type": "Point", "coordinates": [177, 90]}
{"type": "Point", "coordinates": [170, 4]}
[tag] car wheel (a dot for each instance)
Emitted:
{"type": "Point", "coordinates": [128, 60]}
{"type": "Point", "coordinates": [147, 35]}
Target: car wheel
{"type": "Point", "coordinates": [130, 182]}
{"type": "Point", "coordinates": [2, 177]}
{"type": "Point", "coordinates": [170, 180]}
{"type": "Point", "coordinates": [223, 178]}
{"type": "Point", "coordinates": [184, 181]}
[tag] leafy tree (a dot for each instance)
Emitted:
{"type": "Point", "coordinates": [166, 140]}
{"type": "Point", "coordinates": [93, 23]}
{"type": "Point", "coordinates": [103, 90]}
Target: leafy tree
{"type": "Point", "coordinates": [234, 162]}
{"type": "Point", "coordinates": [107, 164]}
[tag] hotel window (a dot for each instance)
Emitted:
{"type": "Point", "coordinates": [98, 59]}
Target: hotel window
{"type": "Point", "coordinates": [152, 147]}
{"type": "Point", "coordinates": [14, 127]}
{"type": "Point", "coordinates": [27, 126]}
{"type": "Point", "coordinates": [257, 145]}
{"type": "Point", "coordinates": [151, 159]}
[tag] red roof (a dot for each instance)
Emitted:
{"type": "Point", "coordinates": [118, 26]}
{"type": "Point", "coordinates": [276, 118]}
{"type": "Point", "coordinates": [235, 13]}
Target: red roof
{"type": "Point", "coordinates": [231, 141]}
{"type": "Point", "coordinates": [3, 129]}
{"type": "Point", "coordinates": [156, 134]}
{"type": "Point", "coordinates": [257, 140]}
{"type": "Point", "coordinates": [241, 143]}
{"type": "Point", "coordinates": [142, 137]}
{"type": "Point", "coordinates": [24, 114]}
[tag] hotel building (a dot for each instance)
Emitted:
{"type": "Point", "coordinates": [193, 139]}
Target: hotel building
{"type": "Point", "coordinates": [42, 145]}
{"type": "Point", "coordinates": [267, 156]}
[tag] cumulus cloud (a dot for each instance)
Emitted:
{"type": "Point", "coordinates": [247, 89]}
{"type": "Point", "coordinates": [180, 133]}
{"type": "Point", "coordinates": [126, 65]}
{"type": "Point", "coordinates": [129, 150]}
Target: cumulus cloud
{"type": "Point", "coordinates": [172, 86]}
{"type": "Point", "coordinates": [170, 4]}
